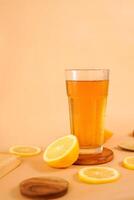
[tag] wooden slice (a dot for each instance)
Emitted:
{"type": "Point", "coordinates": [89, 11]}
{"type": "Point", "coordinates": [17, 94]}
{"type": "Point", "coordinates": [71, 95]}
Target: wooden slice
{"type": "Point", "coordinates": [127, 145]}
{"type": "Point", "coordinates": [8, 163]}
{"type": "Point", "coordinates": [95, 159]}
{"type": "Point", "coordinates": [133, 133]}
{"type": "Point", "coordinates": [46, 187]}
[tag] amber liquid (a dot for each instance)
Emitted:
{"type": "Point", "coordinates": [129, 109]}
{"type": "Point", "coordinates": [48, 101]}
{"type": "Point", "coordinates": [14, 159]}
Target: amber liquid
{"type": "Point", "coordinates": [87, 103]}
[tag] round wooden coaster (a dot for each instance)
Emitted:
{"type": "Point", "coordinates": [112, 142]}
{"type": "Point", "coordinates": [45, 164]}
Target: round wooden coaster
{"type": "Point", "coordinates": [46, 188]}
{"type": "Point", "coordinates": [127, 145]}
{"type": "Point", "coordinates": [95, 159]}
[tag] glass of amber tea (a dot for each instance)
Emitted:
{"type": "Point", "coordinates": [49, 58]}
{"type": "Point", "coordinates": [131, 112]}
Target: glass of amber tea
{"type": "Point", "coordinates": [87, 91]}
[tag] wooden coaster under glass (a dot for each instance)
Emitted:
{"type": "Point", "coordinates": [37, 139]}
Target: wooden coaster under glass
{"type": "Point", "coordinates": [95, 159]}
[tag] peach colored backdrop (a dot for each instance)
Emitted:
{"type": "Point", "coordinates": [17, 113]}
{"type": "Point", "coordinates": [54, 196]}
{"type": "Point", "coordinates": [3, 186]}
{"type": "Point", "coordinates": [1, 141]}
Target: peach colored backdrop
{"type": "Point", "coordinates": [38, 40]}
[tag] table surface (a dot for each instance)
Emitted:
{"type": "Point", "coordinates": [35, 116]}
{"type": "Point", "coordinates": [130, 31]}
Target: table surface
{"type": "Point", "coordinates": [123, 189]}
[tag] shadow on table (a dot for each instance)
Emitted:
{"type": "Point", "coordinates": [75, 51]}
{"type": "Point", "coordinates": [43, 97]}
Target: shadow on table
{"type": "Point", "coordinates": [38, 164]}
{"type": "Point", "coordinates": [15, 193]}
{"type": "Point", "coordinates": [126, 198]}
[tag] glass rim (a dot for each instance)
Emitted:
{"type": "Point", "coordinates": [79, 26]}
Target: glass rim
{"type": "Point", "coordinates": [88, 69]}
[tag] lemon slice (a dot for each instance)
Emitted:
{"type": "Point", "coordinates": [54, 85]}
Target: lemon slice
{"type": "Point", "coordinates": [107, 135]}
{"type": "Point", "coordinates": [128, 162]}
{"type": "Point", "coordinates": [98, 175]}
{"type": "Point", "coordinates": [22, 150]}
{"type": "Point", "coordinates": [63, 152]}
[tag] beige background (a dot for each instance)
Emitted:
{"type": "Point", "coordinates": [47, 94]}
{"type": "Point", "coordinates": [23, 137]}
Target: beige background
{"type": "Point", "coordinates": [38, 40]}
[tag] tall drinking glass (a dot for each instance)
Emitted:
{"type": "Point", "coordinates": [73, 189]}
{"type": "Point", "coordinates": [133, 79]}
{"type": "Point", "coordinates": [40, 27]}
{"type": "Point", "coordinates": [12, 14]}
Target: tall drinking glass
{"type": "Point", "coordinates": [87, 91]}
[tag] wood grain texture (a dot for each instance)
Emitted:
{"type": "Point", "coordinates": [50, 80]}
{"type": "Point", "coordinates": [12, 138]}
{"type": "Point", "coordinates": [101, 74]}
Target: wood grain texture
{"type": "Point", "coordinates": [44, 187]}
{"type": "Point", "coordinates": [8, 163]}
{"type": "Point", "coordinates": [95, 159]}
